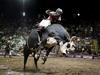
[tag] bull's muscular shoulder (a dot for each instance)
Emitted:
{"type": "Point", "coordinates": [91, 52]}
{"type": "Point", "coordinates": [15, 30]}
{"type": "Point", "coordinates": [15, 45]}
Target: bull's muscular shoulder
{"type": "Point", "coordinates": [33, 38]}
{"type": "Point", "coordinates": [59, 30]}
{"type": "Point", "coordinates": [56, 28]}
{"type": "Point", "coordinates": [56, 24]}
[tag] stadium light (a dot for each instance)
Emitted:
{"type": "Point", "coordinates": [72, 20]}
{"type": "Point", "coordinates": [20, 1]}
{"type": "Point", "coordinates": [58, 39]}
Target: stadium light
{"type": "Point", "coordinates": [23, 13]}
{"type": "Point", "coordinates": [78, 14]}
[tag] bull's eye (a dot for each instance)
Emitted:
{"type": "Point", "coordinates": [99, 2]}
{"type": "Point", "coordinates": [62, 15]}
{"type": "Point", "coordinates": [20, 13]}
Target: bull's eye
{"type": "Point", "coordinates": [68, 46]}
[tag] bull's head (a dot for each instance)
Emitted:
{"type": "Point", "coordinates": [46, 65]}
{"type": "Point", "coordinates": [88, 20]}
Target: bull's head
{"type": "Point", "coordinates": [67, 47]}
{"type": "Point", "coordinates": [63, 47]}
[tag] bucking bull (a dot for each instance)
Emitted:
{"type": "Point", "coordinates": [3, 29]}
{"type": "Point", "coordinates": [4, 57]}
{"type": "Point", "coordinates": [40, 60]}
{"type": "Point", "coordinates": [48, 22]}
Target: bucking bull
{"type": "Point", "coordinates": [53, 35]}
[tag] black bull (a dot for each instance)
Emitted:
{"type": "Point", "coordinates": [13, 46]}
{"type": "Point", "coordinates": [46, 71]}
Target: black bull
{"type": "Point", "coordinates": [34, 47]}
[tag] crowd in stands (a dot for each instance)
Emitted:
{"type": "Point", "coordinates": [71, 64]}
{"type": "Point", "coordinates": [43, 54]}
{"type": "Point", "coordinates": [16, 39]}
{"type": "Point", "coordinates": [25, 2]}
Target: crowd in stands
{"type": "Point", "coordinates": [13, 25]}
{"type": "Point", "coordinates": [9, 25]}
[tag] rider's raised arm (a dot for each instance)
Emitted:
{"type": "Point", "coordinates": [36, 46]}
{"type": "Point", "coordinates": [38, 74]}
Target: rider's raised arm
{"type": "Point", "coordinates": [47, 11]}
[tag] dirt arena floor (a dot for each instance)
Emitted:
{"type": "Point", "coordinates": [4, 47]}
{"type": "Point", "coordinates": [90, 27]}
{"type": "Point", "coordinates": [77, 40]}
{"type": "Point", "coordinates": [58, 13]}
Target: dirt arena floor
{"type": "Point", "coordinates": [53, 66]}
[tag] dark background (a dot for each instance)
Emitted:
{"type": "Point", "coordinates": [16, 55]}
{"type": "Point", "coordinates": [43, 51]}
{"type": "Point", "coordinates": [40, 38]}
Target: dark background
{"type": "Point", "coordinates": [11, 14]}
{"type": "Point", "coordinates": [13, 8]}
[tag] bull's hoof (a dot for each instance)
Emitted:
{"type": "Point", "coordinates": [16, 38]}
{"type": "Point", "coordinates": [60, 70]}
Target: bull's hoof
{"type": "Point", "coordinates": [74, 56]}
{"type": "Point", "coordinates": [92, 57]}
{"type": "Point", "coordinates": [44, 60]}
{"type": "Point", "coordinates": [81, 56]}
